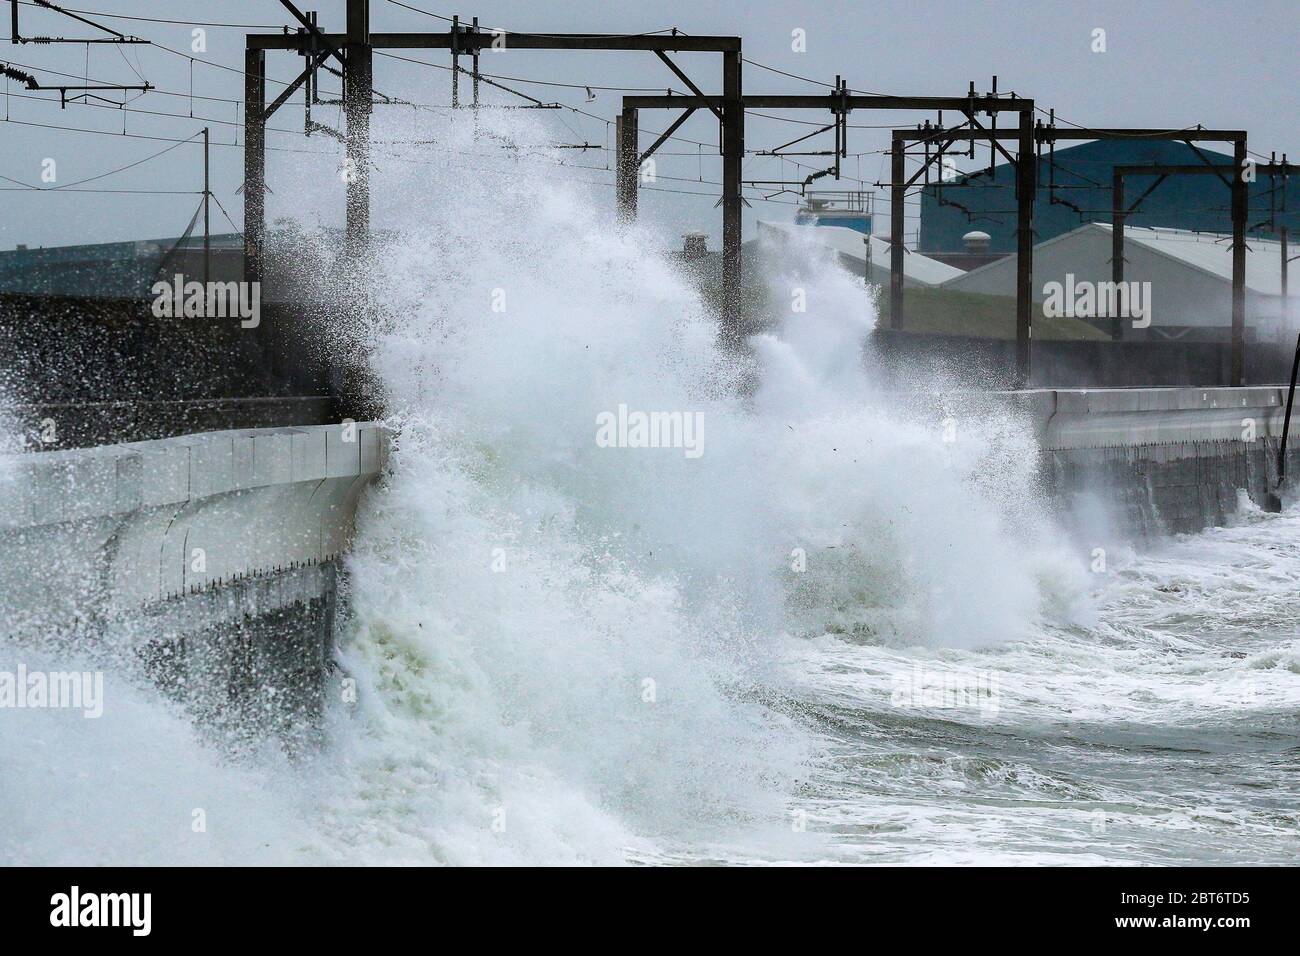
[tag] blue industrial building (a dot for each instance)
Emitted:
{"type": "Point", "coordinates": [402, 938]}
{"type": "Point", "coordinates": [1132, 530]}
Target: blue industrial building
{"type": "Point", "coordinates": [1082, 178]}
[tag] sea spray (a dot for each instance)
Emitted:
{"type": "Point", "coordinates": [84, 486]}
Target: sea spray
{"type": "Point", "coordinates": [578, 647]}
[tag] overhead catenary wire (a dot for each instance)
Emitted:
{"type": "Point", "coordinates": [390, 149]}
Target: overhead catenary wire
{"type": "Point", "coordinates": [447, 19]}
{"type": "Point", "coordinates": [155, 138]}
{"type": "Point", "coordinates": [121, 169]}
{"type": "Point", "coordinates": [25, 187]}
{"type": "Point", "coordinates": [525, 80]}
{"type": "Point", "coordinates": [188, 23]}
{"type": "Point", "coordinates": [150, 192]}
{"type": "Point", "coordinates": [513, 79]}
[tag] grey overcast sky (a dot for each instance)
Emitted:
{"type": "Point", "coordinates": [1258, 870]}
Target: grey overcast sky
{"type": "Point", "coordinates": [1167, 64]}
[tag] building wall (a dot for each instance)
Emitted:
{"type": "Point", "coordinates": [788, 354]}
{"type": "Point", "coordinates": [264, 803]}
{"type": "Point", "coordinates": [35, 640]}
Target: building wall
{"type": "Point", "coordinates": [1198, 203]}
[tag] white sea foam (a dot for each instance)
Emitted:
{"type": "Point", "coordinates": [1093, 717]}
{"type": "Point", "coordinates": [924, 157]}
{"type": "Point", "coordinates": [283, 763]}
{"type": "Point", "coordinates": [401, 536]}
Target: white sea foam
{"type": "Point", "coordinates": [516, 585]}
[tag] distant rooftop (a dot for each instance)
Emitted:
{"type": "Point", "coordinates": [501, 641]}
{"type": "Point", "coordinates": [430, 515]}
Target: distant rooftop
{"type": "Point", "coordinates": [1206, 252]}
{"type": "Point", "coordinates": [917, 268]}
{"type": "Point", "coordinates": [1212, 253]}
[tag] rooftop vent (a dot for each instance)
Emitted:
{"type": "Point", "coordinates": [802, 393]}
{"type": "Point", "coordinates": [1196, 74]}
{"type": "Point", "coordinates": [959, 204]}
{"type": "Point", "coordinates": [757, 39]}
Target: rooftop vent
{"type": "Point", "coordinates": [694, 245]}
{"type": "Point", "coordinates": [976, 242]}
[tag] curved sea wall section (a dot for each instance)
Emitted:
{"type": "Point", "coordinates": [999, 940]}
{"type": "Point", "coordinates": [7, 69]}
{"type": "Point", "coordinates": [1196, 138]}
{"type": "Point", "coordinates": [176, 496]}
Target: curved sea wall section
{"type": "Point", "coordinates": [213, 553]}
{"type": "Point", "coordinates": [1160, 460]}
{"type": "Point", "coordinates": [207, 528]}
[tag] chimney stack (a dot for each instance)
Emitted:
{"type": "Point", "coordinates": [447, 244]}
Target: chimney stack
{"type": "Point", "coordinates": [695, 245]}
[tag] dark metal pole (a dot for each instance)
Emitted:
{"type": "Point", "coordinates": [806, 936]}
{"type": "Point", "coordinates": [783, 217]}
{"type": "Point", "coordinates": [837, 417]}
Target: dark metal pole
{"type": "Point", "coordinates": [455, 62]}
{"type": "Point", "coordinates": [626, 171]}
{"type": "Point", "coordinates": [1286, 301]}
{"type": "Point", "coordinates": [254, 162]}
{"type": "Point", "coordinates": [207, 219]}
{"type": "Point", "coordinates": [475, 62]}
{"type": "Point", "coordinates": [733, 154]}
{"type": "Point", "coordinates": [897, 192]}
{"type": "Point", "coordinates": [1239, 265]}
{"type": "Point", "coordinates": [1274, 502]}
{"type": "Point", "coordinates": [1026, 178]}
{"type": "Point", "coordinates": [1117, 218]}
{"type": "Point", "coordinates": [357, 97]}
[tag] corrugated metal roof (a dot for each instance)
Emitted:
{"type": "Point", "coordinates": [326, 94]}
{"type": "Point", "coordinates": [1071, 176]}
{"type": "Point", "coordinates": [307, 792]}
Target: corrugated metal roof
{"type": "Point", "coordinates": [1212, 254]}
{"type": "Point", "coordinates": [848, 242]}
{"type": "Point", "coordinates": [1206, 252]}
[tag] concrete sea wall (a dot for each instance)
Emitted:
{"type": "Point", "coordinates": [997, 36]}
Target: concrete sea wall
{"type": "Point", "coordinates": [213, 553]}
{"type": "Point", "coordinates": [1159, 460]}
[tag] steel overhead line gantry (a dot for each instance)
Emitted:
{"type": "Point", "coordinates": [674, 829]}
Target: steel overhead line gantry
{"type": "Point", "coordinates": [1232, 176]}
{"type": "Point", "coordinates": [839, 102]}
{"type": "Point", "coordinates": [354, 52]}
{"type": "Point", "coordinates": [85, 92]}
{"type": "Point", "coordinates": [113, 35]}
{"type": "Point", "coordinates": [1285, 170]}
{"type": "Point", "coordinates": [1048, 135]}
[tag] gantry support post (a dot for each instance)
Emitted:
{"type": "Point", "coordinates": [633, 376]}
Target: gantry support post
{"type": "Point", "coordinates": [1286, 258]}
{"type": "Point", "coordinates": [1286, 296]}
{"type": "Point", "coordinates": [1239, 263]}
{"type": "Point", "coordinates": [254, 162]}
{"type": "Point", "coordinates": [626, 156]}
{"type": "Point", "coordinates": [733, 154]}
{"type": "Point", "coordinates": [358, 94]}
{"type": "Point", "coordinates": [1118, 215]}
{"type": "Point", "coordinates": [1026, 182]}
{"type": "Point", "coordinates": [897, 193]}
